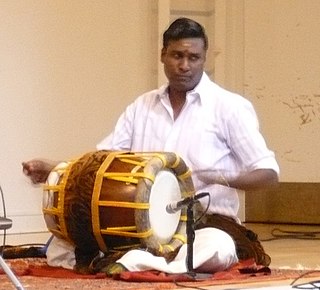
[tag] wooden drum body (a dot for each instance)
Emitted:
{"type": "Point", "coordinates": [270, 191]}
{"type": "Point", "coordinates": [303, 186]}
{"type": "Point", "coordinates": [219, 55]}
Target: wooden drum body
{"type": "Point", "coordinates": [107, 200]}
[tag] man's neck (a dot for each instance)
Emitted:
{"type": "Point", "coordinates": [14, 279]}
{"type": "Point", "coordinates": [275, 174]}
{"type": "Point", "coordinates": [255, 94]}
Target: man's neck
{"type": "Point", "coordinates": [177, 100]}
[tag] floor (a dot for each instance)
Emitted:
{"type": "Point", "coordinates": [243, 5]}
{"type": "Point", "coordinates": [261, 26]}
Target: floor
{"type": "Point", "coordinates": [293, 246]}
{"type": "Point", "coordinates": [290, 246]}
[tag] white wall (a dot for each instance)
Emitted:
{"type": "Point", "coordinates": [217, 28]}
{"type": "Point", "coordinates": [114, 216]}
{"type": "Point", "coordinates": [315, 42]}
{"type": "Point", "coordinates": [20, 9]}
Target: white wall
{"type": "Point", "coordinates": [67, 70]}
{"type": "Point", "coordinates": [269, 52]}
{"type": "Point", "coordinates": [282, 69]}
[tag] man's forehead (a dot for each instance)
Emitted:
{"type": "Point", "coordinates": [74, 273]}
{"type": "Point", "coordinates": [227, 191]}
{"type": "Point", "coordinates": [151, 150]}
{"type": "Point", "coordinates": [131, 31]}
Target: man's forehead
{"type": "Point", "coordinates": [186, 43]}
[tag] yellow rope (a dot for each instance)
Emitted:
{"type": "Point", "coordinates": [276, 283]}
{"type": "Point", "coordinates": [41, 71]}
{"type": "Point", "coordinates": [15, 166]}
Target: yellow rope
{"type": "Point", "coordinates": [128, 177]}
{"type": "Point", "coordinates": [124, 204]}
{"type": "Point", "coordinates": [95, 198]}
{"type": "Point", "coordinates": [177, 162]}
{"type": "Point", "coordinates": [183, 218]}
{"type": "Point", "coordinates": [119, 232]}
{"type": "Point", "coordinates": [168, 246]}
{"type": "Point", "coordinates": [48, 187]}
{"type": "Point", "coordinates": [180, 237]}
{"type": "Point", "coordinates": [185, 175]}
{"type": "Point", "coordinates": [59, 210]}
{"type": "Point", "coordinates": [134, 162]}
{"type": "Point", "coordinates": [53, 211]}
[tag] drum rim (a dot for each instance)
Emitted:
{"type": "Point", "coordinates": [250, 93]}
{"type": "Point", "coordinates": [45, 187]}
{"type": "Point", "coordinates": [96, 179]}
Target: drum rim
{"type": "Point", "coordinates": [173, 162]}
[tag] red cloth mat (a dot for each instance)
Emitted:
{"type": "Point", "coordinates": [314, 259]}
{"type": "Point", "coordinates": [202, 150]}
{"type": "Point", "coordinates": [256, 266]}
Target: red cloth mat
{"type": "Point", "coordinates": [38, 267]}
{"type": "Point", "coordinates": [35, 273]}
{"type": "Point", "coordinates": [242, 272]}
{"type": "Point", "coordinates": [243, 269]}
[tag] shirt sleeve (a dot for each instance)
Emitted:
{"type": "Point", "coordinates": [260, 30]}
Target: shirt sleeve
{"type": "Point", "coordinates": [246, 140]}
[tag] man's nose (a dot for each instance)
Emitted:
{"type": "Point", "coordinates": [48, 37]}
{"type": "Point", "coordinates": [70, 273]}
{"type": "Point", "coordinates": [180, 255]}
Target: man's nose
{"type": "Point", "coordinates": [185, 64]}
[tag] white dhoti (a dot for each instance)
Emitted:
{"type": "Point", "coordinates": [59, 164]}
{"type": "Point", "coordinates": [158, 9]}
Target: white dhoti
{"type": "Point", "coordinates": [213, 250]}
{"type": "Point", "coordinates": [60, 253]}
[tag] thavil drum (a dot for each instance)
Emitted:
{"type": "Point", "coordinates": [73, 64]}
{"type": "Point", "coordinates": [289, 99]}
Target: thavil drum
{"type": "Point", "coordinates": [111, 199]}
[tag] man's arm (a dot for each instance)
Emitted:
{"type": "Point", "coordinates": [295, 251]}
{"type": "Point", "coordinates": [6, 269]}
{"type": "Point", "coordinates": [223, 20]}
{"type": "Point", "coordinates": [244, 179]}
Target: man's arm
{"type": "Point", "coordinates": [254, 180]}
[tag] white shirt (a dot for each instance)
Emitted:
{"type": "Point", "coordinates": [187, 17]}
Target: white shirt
{"type": "Point", "coordinates": [217, 133]}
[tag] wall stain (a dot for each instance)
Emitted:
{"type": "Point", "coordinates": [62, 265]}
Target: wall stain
{"type": "Point", "coordinates": [306, 106]}
{"type": "Point", "coordinates": [287, 155]}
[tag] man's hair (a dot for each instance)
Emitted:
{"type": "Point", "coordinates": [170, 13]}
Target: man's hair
{"type": "Point", "coordinates": [184, 28]}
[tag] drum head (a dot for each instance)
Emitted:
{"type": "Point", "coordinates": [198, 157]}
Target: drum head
{"type": "Point", "coordinates": [165, 190]}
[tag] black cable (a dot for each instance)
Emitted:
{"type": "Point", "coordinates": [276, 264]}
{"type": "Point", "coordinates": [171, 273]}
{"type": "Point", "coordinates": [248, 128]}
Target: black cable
{"type": "Point", "coordinates": [295, 234]}
{"type": "Point", "coordinates": [204, 212]}
{"type": "Point", "coordinates": [15, 248]}
{"type": "Point", "coordinates": [303, 235]}
{"type": "Point", "coordinates": [307, 285]}
{"type": "Point", "coordinates": [179, 284]}
{"type": "Point", "coordinates": [282, 234]}
{"type": "Point", "coordinates": [28, 245]}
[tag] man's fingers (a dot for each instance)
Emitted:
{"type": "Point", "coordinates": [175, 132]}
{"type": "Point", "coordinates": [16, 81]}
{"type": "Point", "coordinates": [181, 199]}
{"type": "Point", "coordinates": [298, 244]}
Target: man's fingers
{"type": "Point", "coordinates": [26, 171]}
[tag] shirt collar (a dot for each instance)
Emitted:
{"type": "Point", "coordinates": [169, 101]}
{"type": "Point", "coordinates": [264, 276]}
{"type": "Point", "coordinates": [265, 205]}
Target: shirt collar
{"type": "Point", "coordinates": [198, 91]}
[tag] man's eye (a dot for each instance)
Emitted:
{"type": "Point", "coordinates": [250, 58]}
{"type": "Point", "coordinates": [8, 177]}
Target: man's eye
{"type": "Point", "coordinates": [194, 58]}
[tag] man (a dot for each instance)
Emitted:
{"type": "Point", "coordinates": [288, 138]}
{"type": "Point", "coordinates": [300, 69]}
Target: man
{"type": "Point", "coordinates": [216, 132]}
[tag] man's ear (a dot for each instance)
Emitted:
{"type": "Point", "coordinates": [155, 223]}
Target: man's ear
{"type": "Point", "coordinates": [163, 53]}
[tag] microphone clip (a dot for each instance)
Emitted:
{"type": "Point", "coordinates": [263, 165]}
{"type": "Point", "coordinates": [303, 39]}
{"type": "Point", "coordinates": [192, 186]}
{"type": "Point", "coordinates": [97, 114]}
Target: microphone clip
{"type": "Point", "coordinates": [186, 202]}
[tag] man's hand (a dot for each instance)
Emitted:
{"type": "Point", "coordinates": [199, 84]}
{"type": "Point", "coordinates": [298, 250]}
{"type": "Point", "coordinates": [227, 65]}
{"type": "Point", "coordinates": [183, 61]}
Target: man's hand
{"type": "Point", "coordinates": [38, 170]}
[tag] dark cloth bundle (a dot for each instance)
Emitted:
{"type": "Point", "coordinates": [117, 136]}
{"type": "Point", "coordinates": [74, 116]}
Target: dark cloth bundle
{"type": "Point", "coordinates": [15, 252]}
{"type": "Point", "coordinates": [247, 242]}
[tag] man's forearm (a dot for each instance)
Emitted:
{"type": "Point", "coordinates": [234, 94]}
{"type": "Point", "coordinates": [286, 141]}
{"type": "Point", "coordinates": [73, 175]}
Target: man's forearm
{"type": "Point", "coordinates": [254, 180]}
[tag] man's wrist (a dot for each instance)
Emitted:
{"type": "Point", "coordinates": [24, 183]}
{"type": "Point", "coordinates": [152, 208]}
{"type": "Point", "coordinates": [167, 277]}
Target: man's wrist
{"type": "Point", "coordinates": [222, 180]}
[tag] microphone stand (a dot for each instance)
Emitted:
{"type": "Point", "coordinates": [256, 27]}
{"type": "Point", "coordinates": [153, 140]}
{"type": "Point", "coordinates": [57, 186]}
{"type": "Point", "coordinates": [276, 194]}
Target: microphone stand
{"type": "Point", "coordinates": [190, 239]}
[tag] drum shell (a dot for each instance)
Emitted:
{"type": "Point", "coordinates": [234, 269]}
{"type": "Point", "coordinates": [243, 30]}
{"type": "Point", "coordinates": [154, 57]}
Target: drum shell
{"type": "Point", "coordinates": [80, 205]}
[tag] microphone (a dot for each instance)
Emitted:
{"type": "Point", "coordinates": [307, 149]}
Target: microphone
{"type": "Point", "coordinates": [178, 205]}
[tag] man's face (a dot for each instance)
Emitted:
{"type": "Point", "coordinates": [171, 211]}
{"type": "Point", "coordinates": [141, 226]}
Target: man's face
{"type": "Point", "coordinates": [183, 62]}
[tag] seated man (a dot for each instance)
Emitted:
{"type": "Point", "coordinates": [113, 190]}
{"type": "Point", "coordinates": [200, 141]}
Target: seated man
{"type": "Point", "coordinates": [216, 132]}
